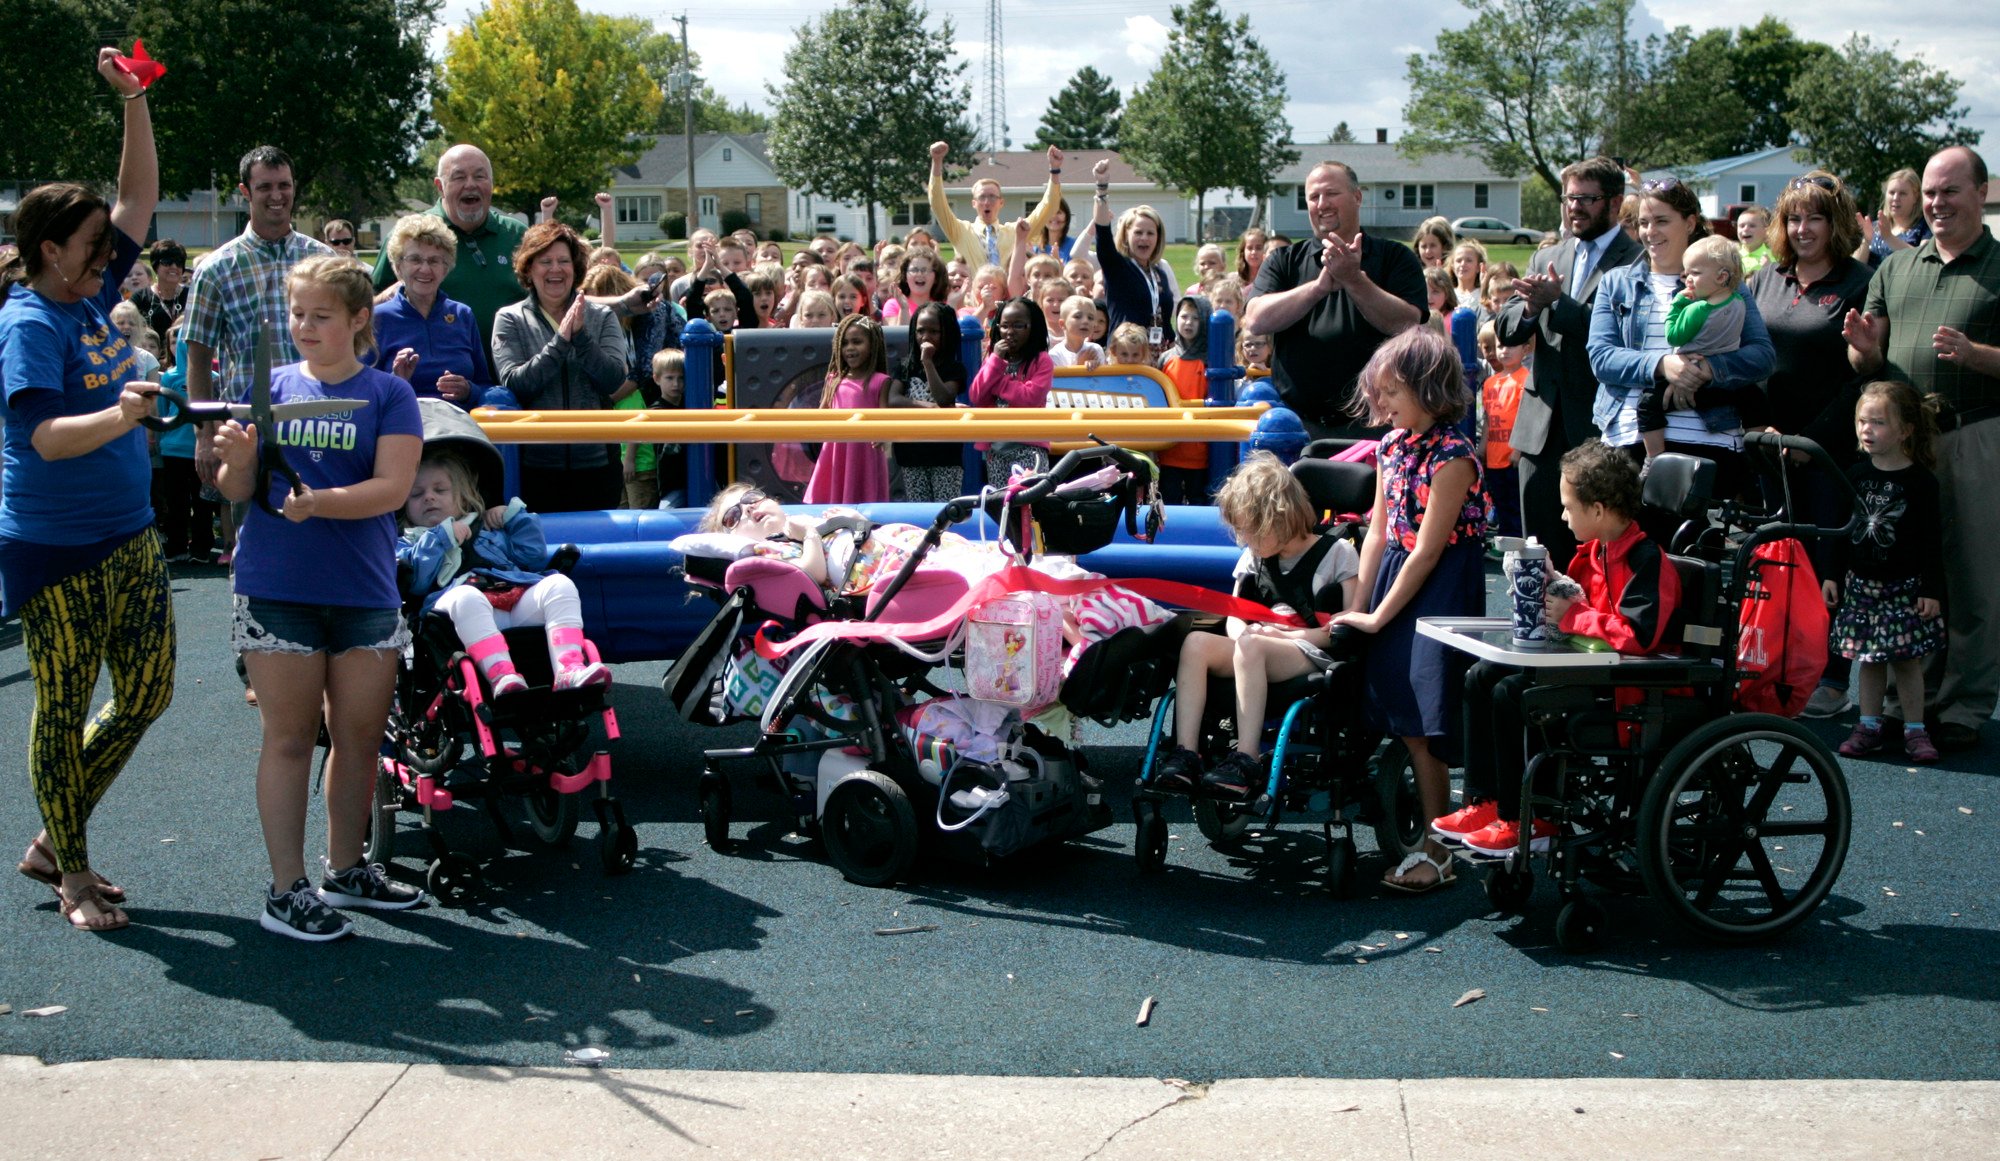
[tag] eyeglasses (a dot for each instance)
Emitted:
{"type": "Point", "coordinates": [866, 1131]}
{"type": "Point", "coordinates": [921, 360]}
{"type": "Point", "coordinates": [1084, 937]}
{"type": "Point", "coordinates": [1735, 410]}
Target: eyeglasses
{"type": "Point", "coordinates": [733, 515]}
{"type": "Point", "coordinates": [1815, 180]}
{"type": "Point", "coordinates": [1661, 186]}
{"type": "Point", "coordinates": [340, 241]}
{"type": "Point", "coordinates": [1582, 200]}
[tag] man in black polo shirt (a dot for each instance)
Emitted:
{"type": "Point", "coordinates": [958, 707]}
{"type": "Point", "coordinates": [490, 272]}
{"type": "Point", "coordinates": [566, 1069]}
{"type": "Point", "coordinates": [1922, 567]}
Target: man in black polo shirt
{"type": "Point", "coordinates": [1328, 303]}
{"type": "Point", "coordinates": [1933, 320]}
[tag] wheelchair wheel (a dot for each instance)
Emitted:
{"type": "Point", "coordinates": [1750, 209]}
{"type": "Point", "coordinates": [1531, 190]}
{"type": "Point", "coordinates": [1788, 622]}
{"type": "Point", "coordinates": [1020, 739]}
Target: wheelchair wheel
{"type": "Point", "coordinates": [552, 814]}
{"type": "Point", "coordinates": [715, 806]}
{"type": "Point", "coordinates": [1400, 827]}
{"type": "Point", "coordinates": [1219, 828]}
{"type": "Point", "coordinates": [450, 877]}
{"type": "Point", "coordinates": [379, 846]}
{"type": "Point", "coordinates": [1508, 889]}
{"type": "Point", "coordinates": [1744, 828]}
{"type": "Point", "coordinates": [1580, 925]}
{"type": "Point", "coordinates": [1150, 841]}
{"type": "Point", "coordinates": [1340, 859]}
{"type": "Point", "coordinates": [870, 829]}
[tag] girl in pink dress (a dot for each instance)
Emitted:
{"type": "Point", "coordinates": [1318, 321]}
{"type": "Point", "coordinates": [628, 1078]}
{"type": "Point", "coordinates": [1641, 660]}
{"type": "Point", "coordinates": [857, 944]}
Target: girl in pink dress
{"type": "Point", "coordinates": [858, 376]}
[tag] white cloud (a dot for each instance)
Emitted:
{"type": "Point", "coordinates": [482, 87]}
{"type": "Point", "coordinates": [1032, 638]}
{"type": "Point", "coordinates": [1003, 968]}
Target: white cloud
{"type": "Point", "coordinates": [1145, 39]}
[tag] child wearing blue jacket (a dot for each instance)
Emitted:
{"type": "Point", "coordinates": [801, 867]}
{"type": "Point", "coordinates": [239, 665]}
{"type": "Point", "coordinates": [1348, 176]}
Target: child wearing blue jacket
{"type": "Point", "coordinates": [484, 568]}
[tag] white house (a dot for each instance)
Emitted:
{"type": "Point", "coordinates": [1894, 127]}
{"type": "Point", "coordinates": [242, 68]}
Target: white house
{"type": "Point", "coordinates": [732, 174]}
{"type": "Point", "coordinates": [1399, 192]}
{"type": "Point", "coordinates": [1727, 184]}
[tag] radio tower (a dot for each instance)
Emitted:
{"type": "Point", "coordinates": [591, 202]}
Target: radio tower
{"type": "Point", "coordinates": [995, 119]}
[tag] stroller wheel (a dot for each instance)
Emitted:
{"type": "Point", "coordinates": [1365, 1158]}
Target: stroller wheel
{"type": "Point", "coordinates": [379, 846]}
{"type": "Point", "coordinates": [715, 812]}
{"type": "Point", "coordinates": [551, 814]}
{"type": "Point", "coordinates": [1151, 842]}
{"type": "Point", "coordinates": [449, 877]}
{"type": "Point", "coordinates": [870, 829]}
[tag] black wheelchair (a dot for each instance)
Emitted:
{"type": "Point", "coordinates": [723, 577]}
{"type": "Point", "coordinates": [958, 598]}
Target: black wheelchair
{"type": "Point", "coordinates": [1326, 764]}
{"type": "Point", "coordinates": [1736, 823]}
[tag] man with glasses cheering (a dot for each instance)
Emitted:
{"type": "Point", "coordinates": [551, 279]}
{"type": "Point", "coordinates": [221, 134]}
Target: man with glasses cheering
{"type": "Point", "coordinates": [1551, 308]}
{"type": "Point", "coordinates": [985, 241]}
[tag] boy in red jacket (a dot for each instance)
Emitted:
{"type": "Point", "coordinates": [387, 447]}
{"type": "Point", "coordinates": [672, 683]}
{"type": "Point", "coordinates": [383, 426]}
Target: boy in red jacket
{"type": "Point", "coordinates": [1630, 591]}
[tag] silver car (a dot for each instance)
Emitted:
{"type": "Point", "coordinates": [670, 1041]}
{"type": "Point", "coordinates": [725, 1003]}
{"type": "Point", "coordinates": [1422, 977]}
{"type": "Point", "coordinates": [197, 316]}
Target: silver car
{"type": "Point", "coordinates": [1495, 230]}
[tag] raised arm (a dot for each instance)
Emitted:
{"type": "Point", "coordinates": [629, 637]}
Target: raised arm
{"type": "Point", "coordinates": [1051, 196]}
{"type": "Point", "coordinates": [138, 162]}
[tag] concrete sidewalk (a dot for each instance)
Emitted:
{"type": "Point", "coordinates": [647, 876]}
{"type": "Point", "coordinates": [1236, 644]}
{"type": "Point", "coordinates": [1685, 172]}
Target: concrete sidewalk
{"type": "Point", "coordinates": [203, 1109]}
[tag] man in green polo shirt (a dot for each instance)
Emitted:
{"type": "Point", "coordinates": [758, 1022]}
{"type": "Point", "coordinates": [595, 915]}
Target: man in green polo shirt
{"type": "Point", "coordinates": [1933, 320]}
{"type": "Point", "coordinates": [483, 276]}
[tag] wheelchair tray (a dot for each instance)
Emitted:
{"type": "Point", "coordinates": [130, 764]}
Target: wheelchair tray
{"type": "Point", "coordinates": [1492, 639]}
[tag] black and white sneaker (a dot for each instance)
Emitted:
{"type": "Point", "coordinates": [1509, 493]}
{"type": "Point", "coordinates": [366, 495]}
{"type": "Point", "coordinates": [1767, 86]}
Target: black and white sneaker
{"type": "Point", "coordinates": [365, 885]}
{"type": "Point", "coordinates": [301, 914]}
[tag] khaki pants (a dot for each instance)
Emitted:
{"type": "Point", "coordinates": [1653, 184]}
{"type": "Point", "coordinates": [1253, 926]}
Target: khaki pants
{"type": "Point", "coordinates": [1968, 680]}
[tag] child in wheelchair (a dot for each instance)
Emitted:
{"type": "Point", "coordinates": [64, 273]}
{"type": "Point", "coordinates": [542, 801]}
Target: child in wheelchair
{"type": "Point", "coordinates": [1630, 593]}
{"type": "Point", "coordinates": [1293, 569]}
{"type": "Point", "coordinates": [483, 568]}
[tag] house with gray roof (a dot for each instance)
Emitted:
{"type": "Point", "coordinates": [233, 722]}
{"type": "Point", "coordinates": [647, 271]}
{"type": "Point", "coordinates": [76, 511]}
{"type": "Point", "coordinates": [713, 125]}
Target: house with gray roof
{"type": "Point", "coordinates": [732, 173]}
{"type": "Point", "coordinates": [1727, 184]}
{"type": "Point", "coordinates": [1399, 192]}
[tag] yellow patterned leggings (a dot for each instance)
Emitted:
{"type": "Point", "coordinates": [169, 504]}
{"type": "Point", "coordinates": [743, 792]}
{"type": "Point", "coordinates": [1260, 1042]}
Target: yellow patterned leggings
{"type": "Point", "coordinates": [120, 612]}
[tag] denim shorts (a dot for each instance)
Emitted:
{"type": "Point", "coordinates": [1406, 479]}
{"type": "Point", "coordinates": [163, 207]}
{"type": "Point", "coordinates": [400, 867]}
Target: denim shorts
{"type": "Point", "coordinates": [265, 626]}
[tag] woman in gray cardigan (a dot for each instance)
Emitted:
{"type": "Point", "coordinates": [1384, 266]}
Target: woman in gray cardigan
{"type": "Point", "coordinates": [557, 351]}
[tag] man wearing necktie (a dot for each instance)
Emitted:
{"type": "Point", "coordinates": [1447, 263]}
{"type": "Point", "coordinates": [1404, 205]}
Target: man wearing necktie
{"type": "Point", "coordinates": [1551, 309]}
{"type": "Point", "coordinates": [985, 240]}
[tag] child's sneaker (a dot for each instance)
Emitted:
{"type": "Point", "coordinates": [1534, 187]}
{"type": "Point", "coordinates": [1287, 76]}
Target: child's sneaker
{"type": "Point", "coordinates": [508, 684]}
{"type": "Point", "coordinates": [1504, 838]}
{"type": "Point", "coordinates": [1917, 746]}
{"type": "Point", "coordinates": [1864, 740]}
{"type": "Point", "coordinates": [1234, 779]}
{"type": "Point", "coordinates": [1453, 827]}
{"type": "Point", "coordinates": [581, 676]}
{"type": "Point", "coordinates": [1178, 772]}
{"type": "Point", "coordinates": [301, 914]}
{"type": "Point", "coordinates": [364, 885]}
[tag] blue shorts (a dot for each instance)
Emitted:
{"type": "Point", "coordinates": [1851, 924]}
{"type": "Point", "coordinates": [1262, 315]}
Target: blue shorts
{"type": "Point", "coordinates": [266, 626]}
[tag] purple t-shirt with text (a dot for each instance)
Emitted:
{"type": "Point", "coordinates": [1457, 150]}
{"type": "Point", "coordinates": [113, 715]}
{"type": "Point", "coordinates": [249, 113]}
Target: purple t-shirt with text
{"type": "Point", "coordinates": [350, 563]}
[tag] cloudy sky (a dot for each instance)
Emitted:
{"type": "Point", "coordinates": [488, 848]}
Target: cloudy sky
{"type": "Point", "coordinates": [1344, 60]}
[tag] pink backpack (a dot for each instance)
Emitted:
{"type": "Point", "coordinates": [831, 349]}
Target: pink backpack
{"type": "Point", "coordinates": [1014, 649]}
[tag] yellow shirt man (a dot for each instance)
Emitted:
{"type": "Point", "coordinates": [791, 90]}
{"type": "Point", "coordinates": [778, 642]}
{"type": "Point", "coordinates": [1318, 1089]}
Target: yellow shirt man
{"type": "Point", "coordinates": [987, 239]}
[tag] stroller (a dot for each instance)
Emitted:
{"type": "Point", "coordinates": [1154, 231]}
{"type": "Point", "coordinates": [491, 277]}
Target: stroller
{"type": "Point", "coordinates": [448, 738]}
{"type": "Point", "coordinates": [877, 761]}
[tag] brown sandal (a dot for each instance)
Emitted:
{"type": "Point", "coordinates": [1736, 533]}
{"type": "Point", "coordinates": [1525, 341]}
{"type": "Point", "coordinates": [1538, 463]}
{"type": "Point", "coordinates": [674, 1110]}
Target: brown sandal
{"type": "Point", "coordinates": [109, 916]}
{"type": "Point", "coordinates": [53, 878]}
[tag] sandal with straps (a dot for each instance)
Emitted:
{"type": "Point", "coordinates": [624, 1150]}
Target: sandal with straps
{"type": "Point", "coordinates": [109, 916]}
{"type": "Point", "coordinates": [1446, 876]}
{"type": "Point", "coordinates": [52, 877]}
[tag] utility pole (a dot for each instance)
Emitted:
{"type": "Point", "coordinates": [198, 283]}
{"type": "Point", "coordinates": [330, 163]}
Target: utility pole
{"type": "Point", "coordinates": [686, 78]}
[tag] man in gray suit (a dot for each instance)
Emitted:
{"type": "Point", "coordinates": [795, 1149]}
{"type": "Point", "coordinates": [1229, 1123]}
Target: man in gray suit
{"type": "Point", "coordinates": [1551, 308]}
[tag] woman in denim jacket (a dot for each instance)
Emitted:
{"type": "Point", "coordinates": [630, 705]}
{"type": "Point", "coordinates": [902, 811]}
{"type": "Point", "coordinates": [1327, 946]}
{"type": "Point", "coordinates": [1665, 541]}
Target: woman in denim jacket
{"type": "Point", "coordinates": [1709, 398]}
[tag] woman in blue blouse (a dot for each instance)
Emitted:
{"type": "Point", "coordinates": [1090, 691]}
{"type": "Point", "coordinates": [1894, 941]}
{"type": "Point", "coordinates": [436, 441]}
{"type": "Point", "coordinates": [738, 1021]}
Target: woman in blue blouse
{"type": "Point", "coordinates": [421, 336]}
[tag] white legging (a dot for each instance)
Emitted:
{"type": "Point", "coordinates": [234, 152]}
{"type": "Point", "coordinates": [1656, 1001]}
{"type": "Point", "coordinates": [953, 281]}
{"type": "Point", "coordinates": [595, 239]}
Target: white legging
{"type": "Point", "coordinates": [551, 601]}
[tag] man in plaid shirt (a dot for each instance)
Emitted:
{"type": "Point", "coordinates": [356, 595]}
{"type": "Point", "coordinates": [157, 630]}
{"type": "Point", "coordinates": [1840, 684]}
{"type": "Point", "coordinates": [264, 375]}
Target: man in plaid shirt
{"type": "Point", "coordinates": [1933, 321]}
{"type": "Point", "coordinates": [241, 286]}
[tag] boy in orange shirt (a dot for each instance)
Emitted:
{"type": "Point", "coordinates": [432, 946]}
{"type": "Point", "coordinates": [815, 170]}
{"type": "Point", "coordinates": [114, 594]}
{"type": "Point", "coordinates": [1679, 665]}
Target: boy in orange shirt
{"type": "Point", "coordinates": [1501, 399]}
{"type": "Point", "coordinates": [1184, 466]}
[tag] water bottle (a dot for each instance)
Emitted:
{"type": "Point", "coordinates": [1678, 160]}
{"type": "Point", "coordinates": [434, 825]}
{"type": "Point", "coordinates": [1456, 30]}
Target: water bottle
{"type": "Point", "coordinates": [1526, 567]}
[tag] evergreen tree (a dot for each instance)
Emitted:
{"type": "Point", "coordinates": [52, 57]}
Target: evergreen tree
{"type": "Point", "coordinates": [1341, 135]}
{"type": "Point", "coordinates": [1212, 115]}
{"type": "Point", "coordinates": [1084, 115]}
{"type": "Point", "coordinates": [868, 87]}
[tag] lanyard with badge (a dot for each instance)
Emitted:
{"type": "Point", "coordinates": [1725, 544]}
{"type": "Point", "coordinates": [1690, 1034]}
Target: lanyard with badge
{"type": "Point", "coordinates": [1156, 335]}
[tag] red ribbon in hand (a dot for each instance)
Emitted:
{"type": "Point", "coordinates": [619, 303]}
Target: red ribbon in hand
{"type": "Point", "coordinates": [140, 66]}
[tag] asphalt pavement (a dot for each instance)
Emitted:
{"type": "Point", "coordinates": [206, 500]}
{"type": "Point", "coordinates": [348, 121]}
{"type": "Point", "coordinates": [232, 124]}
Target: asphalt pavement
{"type": "Point", "coordinates": [766, 960]}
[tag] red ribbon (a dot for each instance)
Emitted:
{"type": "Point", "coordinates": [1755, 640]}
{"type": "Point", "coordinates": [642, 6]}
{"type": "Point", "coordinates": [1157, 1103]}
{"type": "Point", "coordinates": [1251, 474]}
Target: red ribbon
{"type": "Point", "coordinates": [143, 68]}
{"type": "Point", "coordinates": [1017, 579]}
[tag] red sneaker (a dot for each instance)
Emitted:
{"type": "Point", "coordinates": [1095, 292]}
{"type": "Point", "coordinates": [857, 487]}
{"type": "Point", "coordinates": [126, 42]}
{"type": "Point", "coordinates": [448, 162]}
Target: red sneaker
{"type": "Point", "coordinates": [1504, 838]}
{"type": "Point", "coordinates": [1918, 747]}
{"type": "Point", "coordinates": [1453, 827]}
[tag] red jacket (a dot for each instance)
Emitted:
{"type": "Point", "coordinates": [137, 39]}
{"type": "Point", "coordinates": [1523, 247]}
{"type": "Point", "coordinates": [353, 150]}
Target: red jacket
{"type": "Point", "coordinates": [1630, 592]}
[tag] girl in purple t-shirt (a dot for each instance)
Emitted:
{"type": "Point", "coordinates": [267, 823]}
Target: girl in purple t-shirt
{"type": "Point", "coordinates": [317, 616]}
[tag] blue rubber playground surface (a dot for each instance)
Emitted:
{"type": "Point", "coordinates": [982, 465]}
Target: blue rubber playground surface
{"type": "Point", "coordinates": [765, 959]}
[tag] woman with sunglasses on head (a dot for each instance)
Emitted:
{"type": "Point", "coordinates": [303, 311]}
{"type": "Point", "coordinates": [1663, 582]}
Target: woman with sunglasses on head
{"type": "Point", "coordinates": [1803, 293]}
{"type": "Point", "coordinates": [1630, 354]}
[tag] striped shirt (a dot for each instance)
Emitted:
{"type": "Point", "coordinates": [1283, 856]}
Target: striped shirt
{"type": "Point", "coordinates": [1918, 292]}
{"type": "Point", "coordinates": [240, 283]}
{"type": "Point", "coordinates": [1682, 426]}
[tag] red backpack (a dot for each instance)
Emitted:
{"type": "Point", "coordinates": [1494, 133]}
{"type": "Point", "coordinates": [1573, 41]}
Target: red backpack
{"type": "Point", "coordinates": [1782, 631]}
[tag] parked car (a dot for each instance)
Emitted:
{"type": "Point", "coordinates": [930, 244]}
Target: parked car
{"type": "Point", "coordinates": [1494, 230]}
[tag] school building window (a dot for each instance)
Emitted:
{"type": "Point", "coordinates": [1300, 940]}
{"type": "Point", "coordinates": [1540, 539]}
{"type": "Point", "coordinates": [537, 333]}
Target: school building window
{"type": "Point", "coordinates": [1480, 196]}
{"type": "Point", "coordinates": [911, 214]}
{"type": "Point", "coordinates": [1422, 197]}
{"type": "Point", "coordinates": [638, 209]}
{"type": "Point", "coordinates": [753, 208]}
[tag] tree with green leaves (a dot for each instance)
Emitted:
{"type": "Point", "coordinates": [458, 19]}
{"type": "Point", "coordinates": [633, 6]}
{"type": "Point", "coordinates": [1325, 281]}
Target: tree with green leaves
{"type": "Point", "coordinates": [1764, 61]}
{"type": "Point", "coordinates": [54, 120]}
{"type": "Point", "coordinates": [1683, 106]}
{"type": "Point", "coordinates": [1524, 86]}
{"type": "Point", "coordinates": [662, 54]}
{"type": "Point", "coordinates": [1083, 115]}
{"type": "Point", "coordinates": [868, 87]}
{"type": "Point", "coordinates": [556, 97]}
{"type": "Point", "coordinates": [1212, 115]}
{"type": "Point", "coordinates": [1867, 112]}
